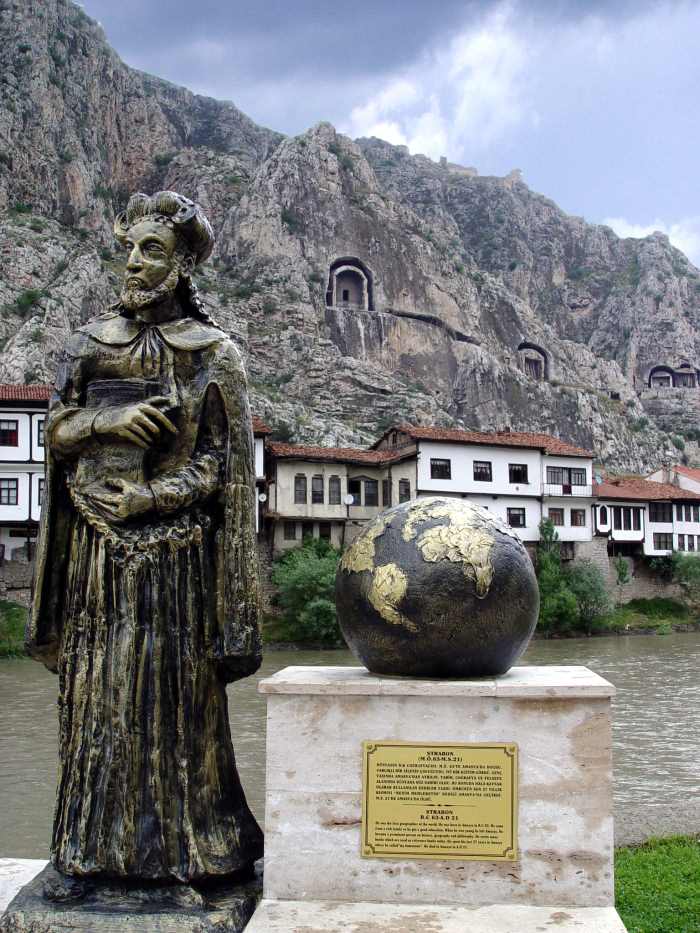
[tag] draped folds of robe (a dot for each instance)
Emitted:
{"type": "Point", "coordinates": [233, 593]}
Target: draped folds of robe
{"type": "Point", "coordinates": [146, 621]}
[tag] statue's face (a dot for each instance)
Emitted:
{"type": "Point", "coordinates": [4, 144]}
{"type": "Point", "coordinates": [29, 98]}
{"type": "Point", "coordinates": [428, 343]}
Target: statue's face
{"type": "Point", "coordinates": [151, 248]}
{"type": "Point", "coordinates": [153, 266]}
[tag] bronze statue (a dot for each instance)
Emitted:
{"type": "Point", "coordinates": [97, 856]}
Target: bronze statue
{"type": "Point", "coordinates": [145, 598]}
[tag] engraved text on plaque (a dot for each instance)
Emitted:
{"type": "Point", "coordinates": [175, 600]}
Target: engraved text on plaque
{"type": "Point", "coordinates": [439, 801]}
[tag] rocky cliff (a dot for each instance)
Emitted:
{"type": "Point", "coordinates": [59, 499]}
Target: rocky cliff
{"type": "Point", "coordinates": [462, 270]}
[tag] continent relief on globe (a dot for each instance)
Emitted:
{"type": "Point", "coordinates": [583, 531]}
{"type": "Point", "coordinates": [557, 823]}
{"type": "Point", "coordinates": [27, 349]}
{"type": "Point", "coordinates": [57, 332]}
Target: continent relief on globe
{"type": "Point", "coordinates": [437, 587]}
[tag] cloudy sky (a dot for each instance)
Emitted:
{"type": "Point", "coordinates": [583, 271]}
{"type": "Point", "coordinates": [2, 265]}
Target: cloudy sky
{"type": "Point", "coordinates": [596, 101]}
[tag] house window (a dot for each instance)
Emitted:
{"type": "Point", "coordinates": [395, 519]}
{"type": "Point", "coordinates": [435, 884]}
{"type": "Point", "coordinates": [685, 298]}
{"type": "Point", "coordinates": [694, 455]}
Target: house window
{"type": "Point", "coordinates": [637, 519]}
{"type": "Point", "coordinates": [346, 294]}
{"type": "Point", "coordinates": [578, 518]}
{"type": "Point", "coordinates": [691, 542]}
{"type": "Point", "coordinates": [516, 518]}
{"type": "Point", "coordinates": [440, 469]}
{"type": "Point", "coordinates": [371, 492]}
{"type": "Point", "coordinates": [696, 513]}
{"type": "Point", "coordinates": [617, 517]}
{"type": "Point", "coordinates": [355, 490]}
{"type": "Point", "coordinates": [661, 512]}
{"type": "Point", "coordinates": [317, 490]}
{"type": "Point", "coordinates": [517, 472]}
{"type": "Point", "coordinates": [679, 512]}
{"type": "Point", "coordinates": [300, 489]}
{"type": "Point", "coordinates": [566, 476]}
{"type": "Point", "coordinates": [290, 531]}
{"type": "Point", "coordinates": [40, 491]}
{"type": "Point", "coordinates": [307, 530]}
{"type": "Point", "coordinates": [681, 542]}
{"type": "Point", "coordinates": [324, 531]}
{"type": "Point", "coordinates": [603, 515]}
{"type": "Point", "coordinates": [482, 471]}
{"type": "Point", "coordinates": [334, 497]}
{"type": "Point", "coordinates": [386, 493]}
{"type": "Point", "coordinates": [404, 490]}
{"type": "Point", "coordinates": [40, 433]}
{"type": "Point", "coordinates": [627, 519]}
{"type": "Point", "coordinates": [9, 435]}
{"type": "Point", "coordinates": [8, 491]}
{"type": "Point", "coordinates": [664, 542]}
{"type": "Point", "coordinates": [555, 476]}
{"type": "Point", "coordinates": [689, 513]}
{"type": "Point", "coordinates": [556, 517]}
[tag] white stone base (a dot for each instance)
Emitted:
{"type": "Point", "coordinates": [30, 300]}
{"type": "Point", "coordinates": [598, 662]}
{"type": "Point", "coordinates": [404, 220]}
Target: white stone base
{"type": "Point", "coordinates": [334, 917]}
{"type": "Point", "coordinates": [560, 719]}
{"type": "Point", "coordinates": [14, 874]}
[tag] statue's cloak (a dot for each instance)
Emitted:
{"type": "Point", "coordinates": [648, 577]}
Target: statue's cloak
{"type": "Point", "coordinates": [220, 416]}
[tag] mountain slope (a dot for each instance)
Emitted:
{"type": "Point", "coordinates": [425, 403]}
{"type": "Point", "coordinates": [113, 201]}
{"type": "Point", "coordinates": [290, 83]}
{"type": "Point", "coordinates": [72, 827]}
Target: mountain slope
{"type": "Point", "coordinates": [463, 269]}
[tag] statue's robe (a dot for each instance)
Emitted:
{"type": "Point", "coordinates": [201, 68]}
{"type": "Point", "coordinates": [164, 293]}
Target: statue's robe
{"type": "Point", "coordinates": [145, 621]}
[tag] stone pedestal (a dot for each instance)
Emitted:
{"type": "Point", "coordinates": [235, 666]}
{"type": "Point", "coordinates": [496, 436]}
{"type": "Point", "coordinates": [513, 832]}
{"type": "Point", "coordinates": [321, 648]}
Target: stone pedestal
{"type": "Point", "coordinates": [317, 720]}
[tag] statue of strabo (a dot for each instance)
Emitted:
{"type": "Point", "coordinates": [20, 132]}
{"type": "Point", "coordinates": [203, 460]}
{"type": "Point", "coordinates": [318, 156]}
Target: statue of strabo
{"type": "Point", "coordinates": [145, 598]}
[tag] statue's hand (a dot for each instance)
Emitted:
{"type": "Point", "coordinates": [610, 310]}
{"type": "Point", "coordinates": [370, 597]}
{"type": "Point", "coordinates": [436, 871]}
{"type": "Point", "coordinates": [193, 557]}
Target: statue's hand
{"type": "Point", "coordinates": [140, 423]}
{"type": "Point", "coordinates": [120, 499]}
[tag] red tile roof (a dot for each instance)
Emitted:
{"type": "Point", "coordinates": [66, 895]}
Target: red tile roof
{"type": "Point", "coordinates": [339, 454]}
{"type": "Point", "coordinates": [634, 487]}
{"type": "Point", "coordinates": [259, 426]}
{"type": "Point", "coordinates": [690, 472]}
{"type": "Point", "coordinates": [10, 392]}
{"type": "Point", "coordinates": [551, 445]}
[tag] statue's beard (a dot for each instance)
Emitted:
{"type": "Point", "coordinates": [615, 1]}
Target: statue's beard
{"type": "Point", "coordinates": [133, 297]}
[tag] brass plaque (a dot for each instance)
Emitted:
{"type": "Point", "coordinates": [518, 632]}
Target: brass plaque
{"type": "Point", "coordinates": [440, 801]}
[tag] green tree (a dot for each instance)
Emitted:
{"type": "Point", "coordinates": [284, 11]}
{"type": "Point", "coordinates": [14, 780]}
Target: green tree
{"type": "Point", "coordinates": [558, 607]}
{"type": "Point", "coordinates": [586, 581]}
{"type": "Point", "coordinates": [686, 571]}
{"type": "Point", "coordinates": [305, 580]}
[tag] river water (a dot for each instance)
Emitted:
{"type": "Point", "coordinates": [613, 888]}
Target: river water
{"type": "Point", "coordinates": [656, 733]}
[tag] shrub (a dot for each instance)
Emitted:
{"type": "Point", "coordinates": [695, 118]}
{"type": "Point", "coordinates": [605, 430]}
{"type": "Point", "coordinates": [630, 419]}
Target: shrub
{"type": "Point", "coordinates": [291, 221]}
{"type": "Point", "coordinates": [622, 571]}
{"type": "Point", "coordinates": [578, 272]}
{"type": "Point", "coordinates": [269, 306]}
{"type": "Point", "coordinates": [36, 225]}
{"type": "Point", "coordinates": [678, 442]}
{"type": "Point", "coordinates": [686, 571]}
{"type": "Point", "coordinates": [305, 579]}
{"type": "Point", "coordinates": [163, 159]}
{"type": "Point", "coordinates": [27, 300]}
{"type": "Point", "coordinates": [585, 580]}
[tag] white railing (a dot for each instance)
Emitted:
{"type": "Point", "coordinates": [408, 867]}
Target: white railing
{"type": "Point", "coordinates": [559, 489]}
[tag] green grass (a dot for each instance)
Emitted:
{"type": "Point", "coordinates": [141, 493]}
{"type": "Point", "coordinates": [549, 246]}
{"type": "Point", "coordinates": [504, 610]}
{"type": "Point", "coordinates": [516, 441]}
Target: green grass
{"type": "Point", "coordinates": [657, 885]}
{"type": "Point", "coordinates": [645, 614]}
{"type": "Point", "coordinates": [13, 618]}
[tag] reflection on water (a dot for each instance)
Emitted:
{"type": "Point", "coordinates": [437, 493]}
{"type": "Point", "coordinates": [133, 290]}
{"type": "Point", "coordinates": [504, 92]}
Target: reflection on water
{"type": "Point", "coordinates": [656, 729]}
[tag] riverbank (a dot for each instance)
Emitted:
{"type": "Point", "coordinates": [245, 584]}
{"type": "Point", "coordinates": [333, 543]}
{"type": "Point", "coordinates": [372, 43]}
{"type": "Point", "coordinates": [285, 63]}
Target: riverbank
{"type": "Point", "coordinates": [656, 616]}
{"type": "Point", "coordinates": [13, 619]}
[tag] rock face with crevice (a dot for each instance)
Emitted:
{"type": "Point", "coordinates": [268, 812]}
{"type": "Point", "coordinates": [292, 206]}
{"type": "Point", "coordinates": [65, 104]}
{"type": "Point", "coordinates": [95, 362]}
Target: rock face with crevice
{"type": "Point", "coordinates": [464, 269]}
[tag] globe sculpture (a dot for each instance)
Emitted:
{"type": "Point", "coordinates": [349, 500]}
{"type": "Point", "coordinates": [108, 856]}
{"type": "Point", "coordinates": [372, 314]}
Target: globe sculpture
{"type": "Point", "coordinates": [437, 587]}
